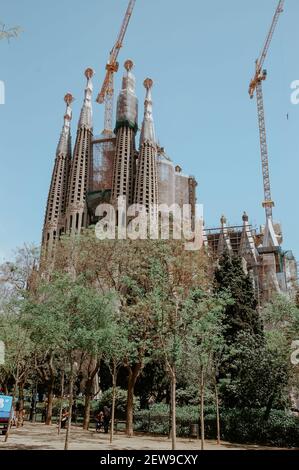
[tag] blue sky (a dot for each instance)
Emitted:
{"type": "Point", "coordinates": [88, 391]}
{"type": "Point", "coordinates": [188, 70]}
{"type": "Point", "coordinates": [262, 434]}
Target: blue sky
{"type": "Point", "coordinates": [201, 57]}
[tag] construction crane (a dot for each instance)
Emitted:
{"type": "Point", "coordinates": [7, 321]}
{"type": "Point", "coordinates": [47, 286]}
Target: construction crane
{"type": "Point", "coordinates": [106, 94]}
{"type": "Point", "coordinates": [256, 85]}
{"type": "Point", "coordinates": [9, 33]}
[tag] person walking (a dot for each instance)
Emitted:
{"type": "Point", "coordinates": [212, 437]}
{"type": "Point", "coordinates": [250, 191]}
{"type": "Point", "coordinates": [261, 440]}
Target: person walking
{"type": "Point", "coordinates": [64, 418]}
{"type": "Point", "coordinates": [99, 421]}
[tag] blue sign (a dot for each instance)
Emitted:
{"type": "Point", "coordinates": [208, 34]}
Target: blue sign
{"type": "Point", "coordinates": [5, 406]}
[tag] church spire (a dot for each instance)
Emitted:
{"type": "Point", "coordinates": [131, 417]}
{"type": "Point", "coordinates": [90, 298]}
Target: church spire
{"type": "Point", "coordinates": [148, 128]}
{"type": "Point", "coordinates": [81, 168]}
{"type": "Point", "coordinates": [124, 168]}
{"type": "Point", "coordinates": [127, 103]}
{"type": "Point", "coordinates": [65, 136]}
{"type": "Point", "coordinates": [86, 111]}
{"type": "Point", "coordinates": [54, 223]}
{"type": "Point", "coordinates": [146, 188]}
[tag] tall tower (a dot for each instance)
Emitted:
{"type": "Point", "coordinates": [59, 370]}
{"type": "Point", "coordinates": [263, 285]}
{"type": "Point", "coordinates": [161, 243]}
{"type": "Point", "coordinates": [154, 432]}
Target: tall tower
{"type": "Point", "coordinates": [124, 168]}
{"type": "Point", "coordinates": [76, 211]}
{"type": "Point", "coordinates": [54, 224]}
{"type": "Point", "coordinates": [146, 187]}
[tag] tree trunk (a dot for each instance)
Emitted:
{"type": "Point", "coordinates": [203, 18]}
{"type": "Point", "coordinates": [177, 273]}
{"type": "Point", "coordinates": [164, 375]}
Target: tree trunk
{"type": "Point", "coordinates": [71, 393]}
{"type": "Point", "coordinates": [93, 367]}
{"type": "Point", "coordinates": [169, 415]}
{"type": "Point", "coordinates": [113, 402]}
{"type": "Point", "coordinates": [88, 395]}
{"type": "Point", "coordinates": [133, 375]}
{"type": "Point", "coordinates": [49, 410]}
{"type": "Point", "coordinates": [21, 395]}
{"type": "Point", "coordinates": [12, 409]}
{"type": "Point", "coordinates": [217, 414]}
{"type": "Point", "coordinates": [130, 407]}
{"type": "Point", "coordinates": [50, 388]}
{"type": "Point", "coordinates": [202, 404]}
{"type": "Point", "coordinates": [61, 401]}
{"type": "Point", "coordinates": [20, 415]}
{"type": "Point", "coordinates": [32, 415]}
{"type": "Point", "coordinates": [173, 408]}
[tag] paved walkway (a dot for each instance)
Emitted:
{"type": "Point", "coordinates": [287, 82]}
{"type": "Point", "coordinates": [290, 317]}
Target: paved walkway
{"type": "Point", "coordinates": [40, 437]}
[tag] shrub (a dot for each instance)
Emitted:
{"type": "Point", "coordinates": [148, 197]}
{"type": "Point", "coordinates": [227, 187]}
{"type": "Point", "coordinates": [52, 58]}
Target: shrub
{"type": "Point", "coordinates": [121, 402]}
{"type": "Point", "coordinates": [249, 426]}
{"type": "Point", "coordinates": [246, 426]}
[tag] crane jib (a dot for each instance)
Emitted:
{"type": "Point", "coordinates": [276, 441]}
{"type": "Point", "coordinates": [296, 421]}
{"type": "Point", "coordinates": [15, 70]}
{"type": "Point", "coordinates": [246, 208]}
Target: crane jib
{"type": "Point", "coordinates": [256, 85]}
{"type": "Point", "coordinates": [107, 91]}
{"type": "Point", "coordinates": [265, 49]}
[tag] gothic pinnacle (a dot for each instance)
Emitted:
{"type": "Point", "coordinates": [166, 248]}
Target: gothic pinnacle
{"type": "Point", "coordinates": [127, 103]}
{"type": "Point", "coordinates": [148, 130]}
{"type": "Point", "coordinates": [62, 147]}
{"type": "Point", "coordinates": [86, 111]}
{"type": "Point", "coordinates": [129, 64]}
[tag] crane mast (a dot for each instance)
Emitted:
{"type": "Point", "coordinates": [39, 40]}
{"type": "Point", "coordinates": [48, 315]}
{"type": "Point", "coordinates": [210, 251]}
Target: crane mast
{"type": "Point", "coordinates": [256, 85]}
{"type": "Point", "coordinates": [106, 95]}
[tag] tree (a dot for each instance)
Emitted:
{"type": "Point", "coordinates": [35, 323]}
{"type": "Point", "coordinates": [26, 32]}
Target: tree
{"type": "Point", "coordinates": [262, 373]}
{"type": "Point", "coordinates": [123, 267]}
{"type": "Point", "coordinates": [71, 318]}
{"type": "Point", "coordinates": [206, 346]}
{"type": "Point", "coordinates": [241, 313]}
{"type": "Point", "coordinates": [174, 277]}
{"type": "Point", "coordinates": [19, 353]}
{"type": "Point", "coordinates": [16, 275]}
{"type": "Point", "coordinates": [115, 352]}
{"type": "Point", "coordinates": [281, 320]}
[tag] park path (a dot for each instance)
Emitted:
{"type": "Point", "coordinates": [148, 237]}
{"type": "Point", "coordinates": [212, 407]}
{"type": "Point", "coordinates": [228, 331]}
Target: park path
{"type": "Point", "coordinates": [40, 437]}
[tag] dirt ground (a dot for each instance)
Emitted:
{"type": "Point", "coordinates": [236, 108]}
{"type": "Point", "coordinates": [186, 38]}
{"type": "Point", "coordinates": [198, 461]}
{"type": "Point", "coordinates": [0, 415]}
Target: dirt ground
{"type": "Point", "coordinates": [40, 437]}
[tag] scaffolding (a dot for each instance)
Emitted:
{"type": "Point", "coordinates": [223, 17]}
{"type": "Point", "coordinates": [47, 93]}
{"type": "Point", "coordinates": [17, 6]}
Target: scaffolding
{"type": "Point", "coordinates": [234, 234]}
{"type": "Point", "coordinates": [103, 160]}
{"type": "Point", "coordinates": [166, 179]}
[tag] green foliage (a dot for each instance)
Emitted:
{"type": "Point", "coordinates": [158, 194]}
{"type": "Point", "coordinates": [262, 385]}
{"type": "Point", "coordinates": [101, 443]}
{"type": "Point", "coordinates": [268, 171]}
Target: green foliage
{"type": "Point", "coordinates": [241, 426]}
{"type": "Point", "coordinates": [249, 426]}
{"type": "Point", "coordinates": [241, 313]}
{"type": "Point", "coordinates": [189, 395]}
{"type": "Point", "coordinates": [259, 374]}
{"type": "Point", "coordinates": [15, 275]}
{"type": "Point", "coordinates": [153, 382]}
{"type": "Point", "coordinates": [19, 349]}
{"type": "Point", "coordinates": [260, 371]}
{"type": "Point", "coordinates": [69, 315]}
{"type": "Point", "coordinates": [121, 402]}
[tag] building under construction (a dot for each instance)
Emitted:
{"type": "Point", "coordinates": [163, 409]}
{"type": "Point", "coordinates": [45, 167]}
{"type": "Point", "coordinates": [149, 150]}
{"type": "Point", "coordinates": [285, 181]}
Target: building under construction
{"type": "Point", "coordinates": [101, 168]}
{"type": "Point", "coordinates": [272, 269]}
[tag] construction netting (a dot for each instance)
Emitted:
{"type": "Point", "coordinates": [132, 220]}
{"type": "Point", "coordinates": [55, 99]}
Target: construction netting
{"type": "Point", "coordinates": [166, 180]}
{"type": "Point", "coordinates": [103, 159]}
{"type": "Point", "coordinates": [181, 189]}
{"type": "Point", "coordinates": [127, 102]}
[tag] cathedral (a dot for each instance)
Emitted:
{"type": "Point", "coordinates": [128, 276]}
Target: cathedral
{"type": "Point", "coordinates": [101, 169]}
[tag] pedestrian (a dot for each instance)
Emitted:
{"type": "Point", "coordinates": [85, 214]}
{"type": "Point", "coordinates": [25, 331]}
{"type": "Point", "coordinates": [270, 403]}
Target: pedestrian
{"type": "Point", "coordinates": [99, 421]}
{"type": "Point", "coordinates": [64, 418]}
